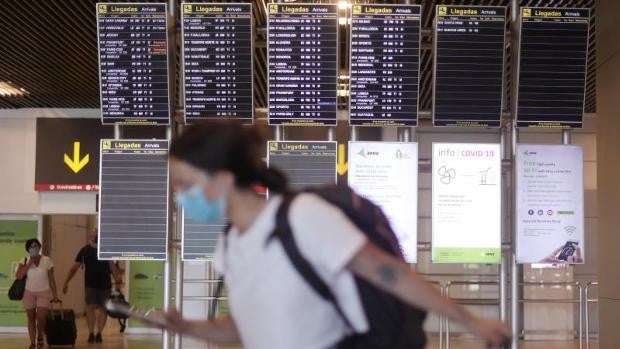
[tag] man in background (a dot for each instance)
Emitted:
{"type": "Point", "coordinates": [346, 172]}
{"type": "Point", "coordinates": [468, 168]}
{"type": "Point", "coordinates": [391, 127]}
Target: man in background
{"type": "Point", "coordinates": [98, 285]}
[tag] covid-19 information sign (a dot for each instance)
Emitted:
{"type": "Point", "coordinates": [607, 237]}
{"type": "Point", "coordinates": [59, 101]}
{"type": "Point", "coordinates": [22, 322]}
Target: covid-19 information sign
{"type": "Point", "coordinates": [387, 174]}
{"type": "Point", "coordinates": [466, 203]}
{"type": "Point", "coordinates": [550, 209]}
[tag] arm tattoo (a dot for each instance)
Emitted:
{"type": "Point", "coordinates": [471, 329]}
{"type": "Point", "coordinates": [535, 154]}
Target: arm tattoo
{"type": "Point", "coordinates": [388, 274]}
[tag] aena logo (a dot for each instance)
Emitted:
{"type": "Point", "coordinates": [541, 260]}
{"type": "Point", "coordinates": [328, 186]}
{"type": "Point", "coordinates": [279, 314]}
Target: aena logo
{"type": "Point", "coordinates": [364, 153]}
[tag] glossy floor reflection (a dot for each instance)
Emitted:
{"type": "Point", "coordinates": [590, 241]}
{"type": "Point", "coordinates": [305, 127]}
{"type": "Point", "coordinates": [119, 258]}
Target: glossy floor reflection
{"type": "Point", "coordinates": [113, 339]}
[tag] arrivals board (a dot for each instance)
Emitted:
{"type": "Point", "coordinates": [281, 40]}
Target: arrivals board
{"type": "Point", "coordinates": [306, 164]}
{"type": "Point", "coordinates": [553, 62]}
{"type": "Point", "coordinates": [217, 61]}
{"type": "Point", "coordinates": [133, 63]}
{"type": "Point", "coordinates": [469, 66]}
{"type": "Point", "coordinates": [387, 174]}
{"type": "Point", "coordinates": [302, 47]}
{"type": "Point", "coordinates": [466, 203]}
{"type": "Point", "coordinates": [385, 59]}
{"type": "Point", "coordinates": [550, 204]}
{"type": "Point", "coordinates": [200, 240]}
{"type": "Point", "coordinates": [133, 204]}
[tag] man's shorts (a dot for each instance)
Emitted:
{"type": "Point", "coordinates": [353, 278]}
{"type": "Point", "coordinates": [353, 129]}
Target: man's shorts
{"type": "Point", "coordinates": [96, 296]}
{"type": "Point", "coordinates": [34, 300]}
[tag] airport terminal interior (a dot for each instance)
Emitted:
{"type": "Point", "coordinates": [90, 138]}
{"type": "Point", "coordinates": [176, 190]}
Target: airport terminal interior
{"type": "Point", "coordinates": [486, 131]}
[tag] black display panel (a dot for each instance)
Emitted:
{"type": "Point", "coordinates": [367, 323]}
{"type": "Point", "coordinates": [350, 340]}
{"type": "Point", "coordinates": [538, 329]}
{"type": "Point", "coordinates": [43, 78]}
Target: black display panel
{"type": "Point", "coordinates": [200, 240]}
{"type": "Point", "coordinates": [303, 64]}
{"type": "Point", "coordinates": [553, 61]}
{"type": "Point", "coordinates": [306, 164]}
{"type": "Point", "coordinates": [133, 206]}
{"type": "Point", "coordinates": [133, 63]}
{"type": "Point", "coordinates": [469, 66]}
{"type": "Point", "coordinates": [385, 60]}
{"type": "Point", "coordinates": [217, 60]}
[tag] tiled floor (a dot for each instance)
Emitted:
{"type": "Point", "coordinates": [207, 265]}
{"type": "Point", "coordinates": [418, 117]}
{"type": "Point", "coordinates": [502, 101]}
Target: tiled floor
{"type": "Point", "coordinates": [113, 339]}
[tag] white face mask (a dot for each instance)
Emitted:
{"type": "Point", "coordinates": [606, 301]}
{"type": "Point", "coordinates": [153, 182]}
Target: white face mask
{"type": "Point", "coordinates": [34, 251]}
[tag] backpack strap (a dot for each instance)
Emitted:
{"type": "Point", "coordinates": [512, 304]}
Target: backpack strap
{"type": "Point", "coordinates": [284, 234]}
{"type": "Point", "coordinates": [220, 281]}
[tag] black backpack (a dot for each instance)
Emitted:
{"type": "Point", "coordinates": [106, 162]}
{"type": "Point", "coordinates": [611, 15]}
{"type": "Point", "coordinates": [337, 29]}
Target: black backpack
{"type": "Point", "coordinates": [118, 297]}
{"type": "Point", "coordinates": [393, 324]}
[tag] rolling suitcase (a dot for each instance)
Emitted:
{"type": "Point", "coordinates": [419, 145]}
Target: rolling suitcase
{"type": "Point", "coordinates": [60, 328]}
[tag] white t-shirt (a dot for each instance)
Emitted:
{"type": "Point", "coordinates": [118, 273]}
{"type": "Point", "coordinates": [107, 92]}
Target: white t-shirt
{"type": "Point", "coordinates": [272, 305]}
{"type": "Point", "coordinates": [37, 277]}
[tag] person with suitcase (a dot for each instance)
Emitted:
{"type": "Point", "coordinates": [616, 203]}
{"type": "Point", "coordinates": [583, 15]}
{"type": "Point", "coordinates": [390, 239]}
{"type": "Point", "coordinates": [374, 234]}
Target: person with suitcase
{"type": "Point", "coordinates": [299, 270]}
{"type": "Point", "coordinates": [40, 285]}
{"type": "Point", "coordinates": [60, 329]}
{"type": "Point", "coordinates": [98, 285]}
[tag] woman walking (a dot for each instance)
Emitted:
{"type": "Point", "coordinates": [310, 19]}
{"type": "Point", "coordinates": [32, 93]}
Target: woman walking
{"type": "Point", "coordinates": [40, 282]}
{"type": "Point", "coordinates": [214, 168]}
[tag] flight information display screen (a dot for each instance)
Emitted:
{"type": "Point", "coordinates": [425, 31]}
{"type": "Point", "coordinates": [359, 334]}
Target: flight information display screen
{"type": "Point", "coordinates": [133, 207]}
{"type": "Point", "coordinates": [553, 61]}
{"type": "Point", "coordinates": [217, 61]}
{"type": "Point", "coordinates": [200, 240]}
{"type": "Point", "coordinates": [305, 164]}
{"type": "Point", "coordinates": [303, 64]}
{"type": "Point", "coordinates": [385, 59]}
{"type": "Point", "coordinates": [469, 66]}
{"type": "Point", "coordinates": [133, 63]}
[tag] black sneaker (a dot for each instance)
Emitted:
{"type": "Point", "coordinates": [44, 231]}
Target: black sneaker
{"type": "Point", "coordinates": [91, 338]}
{"type": "Point", "coordinates": [98, 338]}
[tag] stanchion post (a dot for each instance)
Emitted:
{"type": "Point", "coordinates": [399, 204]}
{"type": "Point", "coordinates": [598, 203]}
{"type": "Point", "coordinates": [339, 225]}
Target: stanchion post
{"type": "Point", "coordinates": [515, 272]}
{"type": "Point", "coordinates": [580, 287]}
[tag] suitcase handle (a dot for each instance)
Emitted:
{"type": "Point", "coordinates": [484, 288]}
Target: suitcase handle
{"type": "Point", "coordinates": [59, 309]}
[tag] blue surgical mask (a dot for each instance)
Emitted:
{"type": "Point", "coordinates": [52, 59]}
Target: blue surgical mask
{"type": "Point", "coordinates": [199, 208]}
{"type": "Point", "coordinates": [34, 251]}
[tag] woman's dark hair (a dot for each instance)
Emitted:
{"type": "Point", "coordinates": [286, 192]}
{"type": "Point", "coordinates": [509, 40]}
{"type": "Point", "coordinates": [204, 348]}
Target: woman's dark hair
{"type": "Point", "coordinates": [228, 146]}
{"type": "Point", "coordinates": [30, 242]}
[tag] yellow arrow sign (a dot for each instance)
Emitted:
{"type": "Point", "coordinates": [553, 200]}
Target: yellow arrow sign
{"type": "Point", "coordinates": [342, 164]}
{"type": "Point", "coordinates": [76, 164]}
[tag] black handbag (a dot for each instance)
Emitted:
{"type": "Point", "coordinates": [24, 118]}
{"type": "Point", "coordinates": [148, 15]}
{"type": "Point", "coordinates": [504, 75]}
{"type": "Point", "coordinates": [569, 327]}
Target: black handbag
{"type": "Point", "coordinates": [16, 292]}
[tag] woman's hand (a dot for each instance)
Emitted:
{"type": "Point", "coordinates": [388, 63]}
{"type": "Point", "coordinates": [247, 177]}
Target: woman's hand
{"type": "Point", "coordinates": [493, 332]}
{"type": "Point", "coordinates": [175, 321]}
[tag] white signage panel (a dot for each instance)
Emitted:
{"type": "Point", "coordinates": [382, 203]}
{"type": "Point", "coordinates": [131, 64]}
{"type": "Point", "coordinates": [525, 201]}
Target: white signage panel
{"type": "Point", "coordinates": [466, 203]}
{"type": "Point", "coordinates": [550, 208]}
{"type": "Point", "coordinates": [387, 174]}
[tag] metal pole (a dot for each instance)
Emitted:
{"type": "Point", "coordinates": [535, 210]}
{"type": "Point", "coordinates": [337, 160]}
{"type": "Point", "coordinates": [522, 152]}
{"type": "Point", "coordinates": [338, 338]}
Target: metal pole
{"type": "Point", "coordinates": [404, 134]}
{"type": "Point", "coordinates": [118, 131]}
{"type": "Point", "coordinates": [441, 318]}
{"type": "Point", "coordinates": [515, 272]}
{"type": "Point", "coordinates": [503, 277]}
{"type": "Point", "coordinates": [178, 297]}
{"type": "Point", "coordinates": [354, 133]}
{"type": "Point", "coordinates": [331, 134]}
{"type": "Point", "coordinates": [167, 263]}
{"type": "Point", "coordinates": [580, 316]}
{"type": "Point", "coordinates": [566, 137]}
{"type": "Point", "coordinates": [447, 346]}
{"type": "Point", "coordinates": [280, 133]}
{"type": "Point", "coordinates": [587, 310]}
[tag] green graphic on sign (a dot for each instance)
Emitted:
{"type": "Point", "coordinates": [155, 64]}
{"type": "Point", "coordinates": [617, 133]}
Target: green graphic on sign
{"type": "Point", "coordinates": [146, 287]}
{"type": "Point", "coordinates": [13, 236]}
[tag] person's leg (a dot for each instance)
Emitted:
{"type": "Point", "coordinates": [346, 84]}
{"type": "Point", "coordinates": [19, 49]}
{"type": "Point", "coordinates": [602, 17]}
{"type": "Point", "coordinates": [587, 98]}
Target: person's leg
{"type": "Point", "coordinates": [30, 307]}
{"type": "Point", "coordinates": [32, 325]}
{"type": "Point", "coordinates": [91, 313]}
{"type": "Point", "coordinates": [42, 305]}
{"type": "Point", "coordinates": [41, 319]}
{"type": "Point", "coordinates": [102, 314]}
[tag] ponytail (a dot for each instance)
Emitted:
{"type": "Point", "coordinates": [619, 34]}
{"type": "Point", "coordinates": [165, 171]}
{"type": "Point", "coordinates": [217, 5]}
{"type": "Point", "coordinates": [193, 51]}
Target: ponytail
{"type": "Point", "coordinates": [274, 180]}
